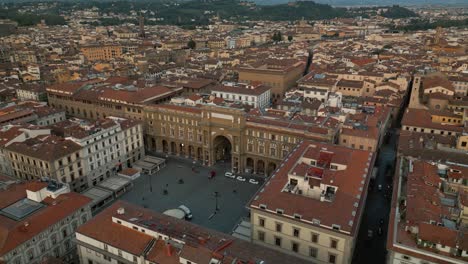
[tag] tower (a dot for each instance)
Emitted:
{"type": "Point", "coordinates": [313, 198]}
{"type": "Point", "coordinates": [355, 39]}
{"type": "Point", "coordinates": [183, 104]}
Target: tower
{"type": "Point", "coordinates": [438, 35]}
{"type": "Point", "coordinates": [142, 26]}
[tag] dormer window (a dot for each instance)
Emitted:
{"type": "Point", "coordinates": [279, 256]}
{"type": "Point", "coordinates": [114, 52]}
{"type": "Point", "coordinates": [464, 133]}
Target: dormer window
{"type": "Point", "coordinates": [313, 163]}
{"type": "Point", "coordinates": [279, 211]}
{"type": "Point", "coordinates": [336, 227]}
{"type": "Point", "coordinates": [333, 167]}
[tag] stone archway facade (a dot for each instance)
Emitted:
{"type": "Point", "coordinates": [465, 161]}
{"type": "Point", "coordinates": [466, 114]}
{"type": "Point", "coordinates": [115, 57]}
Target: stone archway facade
{"type": "Point", "coordinates": [192, 133]}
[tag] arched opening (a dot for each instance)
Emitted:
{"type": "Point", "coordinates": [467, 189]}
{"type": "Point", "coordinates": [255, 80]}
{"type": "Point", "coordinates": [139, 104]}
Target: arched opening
{"type": "Point", "coordinates": [222, 149]}
{"type": "Point", "coordinates": [165, 146]}
{"type": "Point", "coordinates": [190, 151]}
{"type": "Point", "coordinates": [181, 149]}
{"type": "Point", "coordinates": [199, 153]}
{"type": "Point", "coordinates": [260, 167]}
{"type": "Point", "coordinates": [153, 143]}
{"type": "Point", "coordinates": [249, 165]}
{"type": "Point", "coordinates": [271, 168]}
{"type": "Point", "coordinates": [173, 148]}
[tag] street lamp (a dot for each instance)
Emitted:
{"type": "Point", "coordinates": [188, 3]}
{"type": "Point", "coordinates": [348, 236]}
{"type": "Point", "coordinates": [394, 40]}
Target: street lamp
{"type": "Point", "coordinates": [150, 184]}
{"type": "Point", "coordinates": [216, 195]}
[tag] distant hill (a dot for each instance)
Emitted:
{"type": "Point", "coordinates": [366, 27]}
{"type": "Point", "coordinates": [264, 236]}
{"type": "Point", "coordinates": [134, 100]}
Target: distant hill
{"type": "Point", "coordinates": [195, 12]}
{"type": "Point", "coordinates": [373, 2]}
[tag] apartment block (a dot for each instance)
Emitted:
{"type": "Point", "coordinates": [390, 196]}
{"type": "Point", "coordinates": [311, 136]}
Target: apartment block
{"type": "Point", "coordinates": [38, 220]}
{"type": "Point", "coordinates": [157, 238]}
{"type": "Point", "coordinates": [101, 52]}
{"type": "Point", "coordinates": [429, 215]}
{"type": "Point", "coordinates": [258, 96]}
{"type": "Point", "coordinates": [108, 145]}
{"type": "Point", "coordinates": [312, 205]}
{"type": "Point", "coordinates": [48, 156]}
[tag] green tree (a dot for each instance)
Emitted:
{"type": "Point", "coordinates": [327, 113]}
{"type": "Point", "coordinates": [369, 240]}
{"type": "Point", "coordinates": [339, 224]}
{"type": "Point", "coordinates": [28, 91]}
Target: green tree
{"type": "Point", "coordinates": [191, 44]}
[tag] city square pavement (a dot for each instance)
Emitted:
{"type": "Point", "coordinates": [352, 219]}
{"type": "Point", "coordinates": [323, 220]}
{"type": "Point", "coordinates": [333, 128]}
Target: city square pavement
{"type": "Point", "coordinates": [197, 193]}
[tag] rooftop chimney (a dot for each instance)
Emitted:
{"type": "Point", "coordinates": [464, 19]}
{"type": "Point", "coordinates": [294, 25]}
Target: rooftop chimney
{"type": "Point", "coordinates": [168, 249]}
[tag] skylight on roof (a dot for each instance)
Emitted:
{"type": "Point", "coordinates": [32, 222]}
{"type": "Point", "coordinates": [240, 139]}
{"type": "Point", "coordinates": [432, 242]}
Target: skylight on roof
{"type": "Point", "coordinates": [21, 209]}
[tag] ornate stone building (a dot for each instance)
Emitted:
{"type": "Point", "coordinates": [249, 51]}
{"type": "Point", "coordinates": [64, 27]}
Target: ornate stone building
{"type": "Point", "coordinates": [209, 134]}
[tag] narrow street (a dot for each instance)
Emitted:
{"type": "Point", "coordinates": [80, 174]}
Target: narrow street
{"type": "Point", "coordinates": [373, 249]}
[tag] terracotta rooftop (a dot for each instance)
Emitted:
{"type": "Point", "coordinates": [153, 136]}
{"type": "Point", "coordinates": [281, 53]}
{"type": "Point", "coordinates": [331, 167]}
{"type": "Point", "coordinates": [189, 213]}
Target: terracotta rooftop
{"type": "Point", "coordinates": [253, 90]}
{"type": "Point", "coordinates": [198, 243]}
{"type": "Point", "coordinates": [349, 199]}
{"type": "Point", "coordinates": [14, 233]}
{"type": "Point", "coordinates": [47, 147]}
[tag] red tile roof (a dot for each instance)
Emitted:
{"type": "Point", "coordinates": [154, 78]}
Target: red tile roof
{"type": "Point", "coordinates": [198, 243]}
{"type": "Point", "coordinates": [351, 182]}
{"type": "Point", "coordinates": [14, 233]}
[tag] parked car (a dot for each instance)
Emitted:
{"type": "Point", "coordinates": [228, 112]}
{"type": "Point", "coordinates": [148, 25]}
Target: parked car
{"type": "Point", "coordinates": [230, 175]}
{"type": "Point", "coordinates": [240, 178]}
{"type": "Point", "coordinates": [188, 213]}
{"type": "Point", "coordinates": [253, 181]}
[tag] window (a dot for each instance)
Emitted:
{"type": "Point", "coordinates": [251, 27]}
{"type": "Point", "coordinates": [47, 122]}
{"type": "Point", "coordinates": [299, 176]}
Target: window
{"type": "Point", "coordinates": [90, 261]}
{"type": "Point", "coordinates": [313, 252]}
{"type": "Point", "coordinates": [296, 232]}
{"type": "Point", "coordinates": [107, 258]}
{"type": "Point", "coordinates": [120, 253]}
{"type": "Point", "coordinates": [331, 258]}
{"type": "Point", "coordinates": [278, 241]}
{"type": "Point", "coordinates": [315, 237]}
{"type": "Point", "coordinates": [30, 255]}
{"type": "Point", "coordinates": [406, 257]}
{"type": "Point", "coordinates": [56, 252]}
{"type": "Point", "coordinates": [295, 247]}
{"type": "Point", "coordinates": [42, 247]}
{"type": "Point", "coordinates": [135, 259]}
{"type": "Point", "coordinates": [261, 221]}
{"type": "Point", "coordinates": [261, 235]}
{"type": "Point", "coordinates": [278, 227]}
{"type": "Point", "coordinates": [333, 243]}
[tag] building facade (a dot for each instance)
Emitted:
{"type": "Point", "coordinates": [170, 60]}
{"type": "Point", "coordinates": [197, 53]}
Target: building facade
{"type": "Point", "coordinates": [101, 52]}
{"type": "Point", "coordinates": [158, 238]}
{"type": "Point", "coordinates": [210, 134]}
{"type": "Point", "coordinates": [97, 99]}
{"type": "Point", "coordinates": [312, 206]}
{"type": "Point", "coordinates": [49, 156]}
{"type": "Point", "coordinates": [48, 230]}
{"type": "Point", "coordinates": [280, 76]}
{"type": "Point", "coordinates": [256, 96]}
{"type": "Point", "coordinates": [109, 145]}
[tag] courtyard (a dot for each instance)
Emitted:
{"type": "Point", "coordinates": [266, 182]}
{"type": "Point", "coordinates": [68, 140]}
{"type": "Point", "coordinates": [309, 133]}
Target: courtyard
{"type": "Point", "coordinates": [197, 192]}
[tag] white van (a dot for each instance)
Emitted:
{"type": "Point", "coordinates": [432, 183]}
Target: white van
{"type": "Point", "coordinates": [188, 214]}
